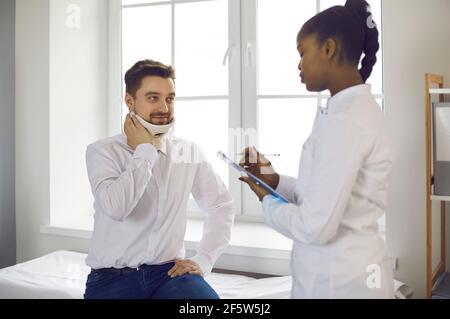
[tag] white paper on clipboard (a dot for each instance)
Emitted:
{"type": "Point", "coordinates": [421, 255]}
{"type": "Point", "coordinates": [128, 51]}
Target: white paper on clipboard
{"type": "Point", "coordinates": [261, 183]}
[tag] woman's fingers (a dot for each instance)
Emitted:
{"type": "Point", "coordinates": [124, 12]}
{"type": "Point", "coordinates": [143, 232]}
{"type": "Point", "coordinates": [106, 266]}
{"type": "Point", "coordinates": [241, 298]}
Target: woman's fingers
{"type": "Point", "coordinates": [250, 159]}
{"type": "Point", "coordinates": [249, 182]}
{"type": "Point", "coordinates": [255, 187]}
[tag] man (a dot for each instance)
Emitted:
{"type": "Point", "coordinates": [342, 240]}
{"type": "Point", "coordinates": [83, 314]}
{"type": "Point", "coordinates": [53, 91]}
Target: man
{"type": "Point", "coordinates": [141, 190]}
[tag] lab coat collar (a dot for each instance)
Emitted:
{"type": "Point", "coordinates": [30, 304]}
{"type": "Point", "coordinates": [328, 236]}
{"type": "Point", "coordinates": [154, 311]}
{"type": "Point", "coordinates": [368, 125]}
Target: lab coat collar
{"type": "Point", "coordinates": [349, 93]}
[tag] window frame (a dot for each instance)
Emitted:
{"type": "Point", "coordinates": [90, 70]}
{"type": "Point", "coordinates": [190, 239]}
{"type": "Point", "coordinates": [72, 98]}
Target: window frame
{"type": "Point", "coordinates": [242, 60]}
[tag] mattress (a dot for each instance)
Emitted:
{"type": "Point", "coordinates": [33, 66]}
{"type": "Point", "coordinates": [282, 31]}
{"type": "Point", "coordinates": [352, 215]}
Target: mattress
{"type": "Point", "coordinates": [62, 275]}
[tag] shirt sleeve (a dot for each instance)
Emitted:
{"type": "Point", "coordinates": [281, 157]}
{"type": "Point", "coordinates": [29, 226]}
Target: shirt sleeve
{"type": "Point", "coordinates": [338, 152]}
{"type": "Point", "coordinates": [215, 200]}
{"type": "Point", "coordinates": [117, 192]}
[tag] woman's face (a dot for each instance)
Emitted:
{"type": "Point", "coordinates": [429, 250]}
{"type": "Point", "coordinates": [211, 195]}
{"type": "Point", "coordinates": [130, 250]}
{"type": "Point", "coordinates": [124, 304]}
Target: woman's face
{"type": "Point", "coordinates": [313, 63]}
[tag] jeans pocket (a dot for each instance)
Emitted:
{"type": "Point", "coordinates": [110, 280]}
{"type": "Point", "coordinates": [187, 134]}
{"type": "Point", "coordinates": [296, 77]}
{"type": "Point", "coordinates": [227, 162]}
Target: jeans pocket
{"type": "Point", "coordinates": [98, 277]}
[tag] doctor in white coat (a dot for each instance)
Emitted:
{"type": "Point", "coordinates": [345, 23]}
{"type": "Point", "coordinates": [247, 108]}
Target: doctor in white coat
{"type": "Point", "coordinates": [344, 171]}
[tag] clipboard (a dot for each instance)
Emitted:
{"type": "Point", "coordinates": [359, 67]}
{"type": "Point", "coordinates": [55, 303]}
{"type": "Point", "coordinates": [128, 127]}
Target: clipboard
{"type": "Point", "coordinates": [265, 186]}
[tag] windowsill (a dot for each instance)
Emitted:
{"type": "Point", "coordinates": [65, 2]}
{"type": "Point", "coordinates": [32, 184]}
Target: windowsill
{"type": "Point", "coordinates": [251, 239]}
{"type": "Point", "coordinates": [248, 239]}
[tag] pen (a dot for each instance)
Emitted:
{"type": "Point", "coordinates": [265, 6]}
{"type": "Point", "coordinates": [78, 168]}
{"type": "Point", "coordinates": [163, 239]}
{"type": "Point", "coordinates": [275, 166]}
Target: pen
{"type": "Point", "coordinates": [268, 155]}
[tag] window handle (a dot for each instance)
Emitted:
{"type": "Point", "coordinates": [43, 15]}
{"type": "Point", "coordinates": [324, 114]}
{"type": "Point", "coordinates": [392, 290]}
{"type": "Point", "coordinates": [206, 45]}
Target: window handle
{"type": "Point", "coordinates": [228, 54]}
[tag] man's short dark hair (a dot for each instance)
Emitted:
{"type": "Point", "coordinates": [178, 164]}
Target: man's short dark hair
{"type": "Point", "coordinates": [142, 69]}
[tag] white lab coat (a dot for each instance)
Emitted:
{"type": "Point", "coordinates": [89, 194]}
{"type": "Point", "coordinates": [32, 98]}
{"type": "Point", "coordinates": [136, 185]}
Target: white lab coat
{"type": "Point", "coordinates": [335, 203]}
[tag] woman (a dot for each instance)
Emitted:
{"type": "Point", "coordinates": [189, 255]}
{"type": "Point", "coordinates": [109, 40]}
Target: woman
{"type": "Point", "coordinates": [341, 190]}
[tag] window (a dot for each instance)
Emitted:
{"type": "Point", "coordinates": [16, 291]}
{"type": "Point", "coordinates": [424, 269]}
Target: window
{"type": "Point", "coordinates": [236, 65]}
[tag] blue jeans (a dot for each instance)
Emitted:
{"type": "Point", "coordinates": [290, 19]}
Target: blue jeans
{"type": "Point", "coordinates": [149, 282]}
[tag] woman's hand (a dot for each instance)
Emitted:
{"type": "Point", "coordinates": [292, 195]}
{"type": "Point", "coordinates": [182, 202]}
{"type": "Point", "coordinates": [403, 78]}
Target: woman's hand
{"type": "Point", "coordinates": [258, 190]}
{"type": "Point", "coordinates": [259, 166]}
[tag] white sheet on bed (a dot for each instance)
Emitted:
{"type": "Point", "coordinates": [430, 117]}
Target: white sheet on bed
{"type": "Point", "coordinates": [62, 275]}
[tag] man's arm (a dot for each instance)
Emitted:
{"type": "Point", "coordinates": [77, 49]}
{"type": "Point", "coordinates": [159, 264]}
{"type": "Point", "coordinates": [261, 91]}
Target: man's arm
{"type": "Point", "coordinates": [115, 192]}
{"type": "Point", "coordinates": [215, 200]}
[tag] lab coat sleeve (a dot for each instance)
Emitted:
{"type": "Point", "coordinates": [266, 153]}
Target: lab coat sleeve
{"type": "Point", "coordinates": [338, 151]}
{"type": "Point", "coordinates": [286, 187]}
{"type": "Point", "coordinates": [216, 202]}
{"type": "Point", "coordinates": [117, 192]}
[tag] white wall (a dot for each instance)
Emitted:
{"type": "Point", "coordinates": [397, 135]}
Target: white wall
{"type": "Point", "coordinates": [32, 125]}
{"type": "Point", "coordinates": [7, 204]}
{"type": "Point", "coordinates": [416, 34]}
{"type": "Point", "coordinates": [78, 99]}
{"type": "Point", "coordinates": [61, 105]}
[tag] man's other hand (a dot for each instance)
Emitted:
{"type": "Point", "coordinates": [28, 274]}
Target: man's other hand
{"type": "Point", "coordinates": [185, 266]}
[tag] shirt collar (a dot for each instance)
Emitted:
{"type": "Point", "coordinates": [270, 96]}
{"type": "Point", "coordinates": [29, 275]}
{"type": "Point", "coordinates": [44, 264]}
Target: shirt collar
{"type": "Point", "coordinates": [162, 145]}
{"type": "Point", "coordinates": [351, 92]}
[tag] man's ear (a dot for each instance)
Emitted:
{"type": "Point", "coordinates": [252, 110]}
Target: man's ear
{"type": "Point", "coordinates": [330, 48]}
{"type": "Point", "coordinates": [129, 100]}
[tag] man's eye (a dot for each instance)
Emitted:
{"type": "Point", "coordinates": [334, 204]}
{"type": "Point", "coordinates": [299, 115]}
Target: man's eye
{"type": "Point", "coordinates": [170, 99]}
{"type": "Point", "coordinates": [153, 98]}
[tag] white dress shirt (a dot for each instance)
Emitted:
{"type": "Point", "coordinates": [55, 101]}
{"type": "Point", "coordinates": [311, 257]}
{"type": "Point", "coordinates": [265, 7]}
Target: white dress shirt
{"type": "Point", "coordinates": [336, 201]}
{"type": "Point", "coordinates": [140, 202]}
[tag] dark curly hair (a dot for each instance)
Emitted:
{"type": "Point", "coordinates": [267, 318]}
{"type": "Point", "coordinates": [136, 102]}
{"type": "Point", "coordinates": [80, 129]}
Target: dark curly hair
{"type": "Point", "coordinates": [142, 69]}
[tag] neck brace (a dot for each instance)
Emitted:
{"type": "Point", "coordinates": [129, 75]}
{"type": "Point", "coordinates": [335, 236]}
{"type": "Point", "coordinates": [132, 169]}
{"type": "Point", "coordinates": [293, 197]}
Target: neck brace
{"type": "Point", "coordinates": [155, 130]}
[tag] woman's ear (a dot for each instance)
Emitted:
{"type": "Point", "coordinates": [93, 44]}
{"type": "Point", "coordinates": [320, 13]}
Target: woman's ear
{"type": "Point", "coordinates": [330, 48]}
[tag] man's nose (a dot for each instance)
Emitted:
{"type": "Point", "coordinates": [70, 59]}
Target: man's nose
{"type": "Point", "coordinates": [164, 108]}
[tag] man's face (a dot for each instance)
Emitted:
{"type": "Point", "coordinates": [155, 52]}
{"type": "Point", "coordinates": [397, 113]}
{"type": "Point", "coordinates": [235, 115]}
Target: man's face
{"type": "Point", "coordinates": [154, 100]}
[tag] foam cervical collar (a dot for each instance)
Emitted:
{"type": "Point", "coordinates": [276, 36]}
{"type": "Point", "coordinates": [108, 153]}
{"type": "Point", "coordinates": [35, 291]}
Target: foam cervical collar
{"type": "Point", "coordinates": [155, 130]}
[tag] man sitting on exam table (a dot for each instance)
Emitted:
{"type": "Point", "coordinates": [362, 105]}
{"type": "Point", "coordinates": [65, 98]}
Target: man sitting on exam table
{"type": "Point", "coordinates": [141, 181]}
